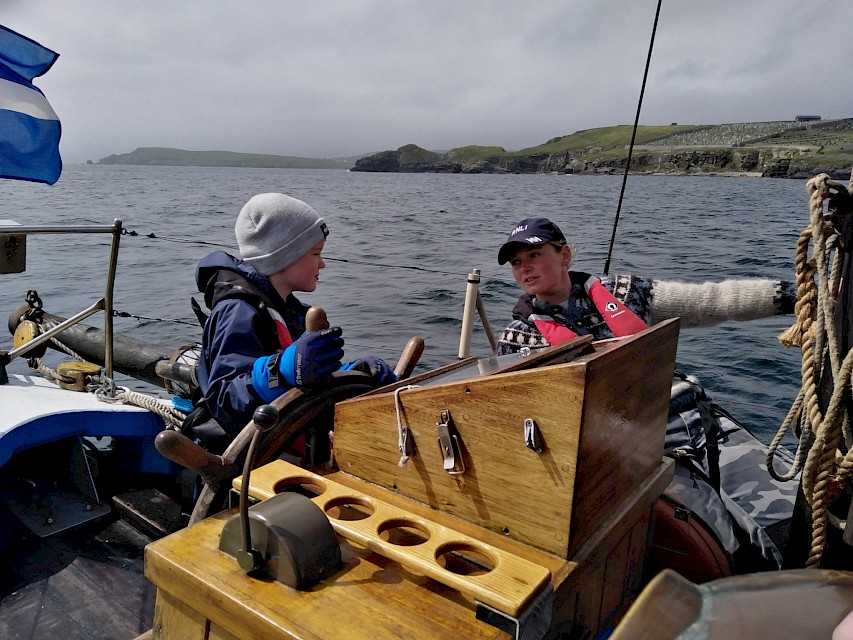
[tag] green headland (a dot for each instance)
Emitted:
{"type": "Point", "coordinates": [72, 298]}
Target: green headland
{"type": "Point", "coordinates": [793, 149]}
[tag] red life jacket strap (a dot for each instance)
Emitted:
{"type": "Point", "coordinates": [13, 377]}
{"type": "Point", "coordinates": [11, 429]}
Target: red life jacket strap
{"type": "Point", "coordinates": [551, 330]}
{"type": "Point", "coordinates": [284, 337]}
{"type": "Point", "coordinates": [619, 318]}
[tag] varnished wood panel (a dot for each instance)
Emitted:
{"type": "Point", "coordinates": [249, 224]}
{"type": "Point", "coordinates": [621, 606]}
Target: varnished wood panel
{"type": "Point", "coordinates": [218, 633]}
{"type": "Point", "coordinates": [624, 422]}
{"type": "Point", "coordinates": [174, 620]}
{"type": "Point", "coordinates": [602, 420]}
{"type": "Point", "coordinates": [589, 611]}
{"type": "Point", "coordinates": [553, 563]}
{"type": "Point", "coordinates": [506, 486]}
{"type": "Point", "coordinates": [582, 595]}
{"type": "Point", "coordinates": [613, 585]}
{"type": "Point", "coordinates": [372, 597]}
{"type": "Point", "coordinates": [637, 553]}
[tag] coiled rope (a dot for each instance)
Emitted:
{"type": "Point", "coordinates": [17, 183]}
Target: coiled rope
{"type": "Point", "coordinates": [172, 416]}
{"type": "Point", "coordinates": [824, 469]}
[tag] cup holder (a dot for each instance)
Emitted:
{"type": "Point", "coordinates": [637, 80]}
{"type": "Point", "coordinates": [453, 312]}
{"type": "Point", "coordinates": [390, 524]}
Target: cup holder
{"type": "Point", "coordinates": [464, 559]}
{"type": "Point", "coordinates": [348, 508]}
{"type": "Point", "coordinates": [402, 532]}
{"type": "Point", "coordinates": [305, 485]}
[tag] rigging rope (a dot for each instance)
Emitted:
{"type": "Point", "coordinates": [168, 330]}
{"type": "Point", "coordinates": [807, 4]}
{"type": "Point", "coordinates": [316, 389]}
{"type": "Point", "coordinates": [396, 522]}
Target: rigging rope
{"type": "Point", "coordinates": [824, 468]}
{"type": "Point", "coordinates": [633, 138]}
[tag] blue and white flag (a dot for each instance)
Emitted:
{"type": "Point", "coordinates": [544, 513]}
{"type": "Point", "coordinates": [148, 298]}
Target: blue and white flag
{"type": "Point", "coordinates": [29, 127]}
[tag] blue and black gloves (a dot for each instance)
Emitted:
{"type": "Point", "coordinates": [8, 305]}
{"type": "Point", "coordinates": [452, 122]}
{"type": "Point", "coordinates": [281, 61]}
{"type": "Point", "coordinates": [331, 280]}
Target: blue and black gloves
{"type": "Point", "coordinates": [306, 362]}
{"type": "Point", "coordinates": [312, 357]}
{"type": "Point", "coordinates": [309, 361]}
{"type": "Point", "coordinates": [375, 367]}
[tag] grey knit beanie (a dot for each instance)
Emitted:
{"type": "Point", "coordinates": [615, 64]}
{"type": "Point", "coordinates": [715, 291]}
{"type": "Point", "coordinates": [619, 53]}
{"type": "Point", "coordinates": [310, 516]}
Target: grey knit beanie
{"type": "Point", "coordinates": [274, 230]}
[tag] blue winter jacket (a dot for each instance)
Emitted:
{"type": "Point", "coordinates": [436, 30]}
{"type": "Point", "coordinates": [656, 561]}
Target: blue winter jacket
{"type": "Point", "coordinates": [237, 333]}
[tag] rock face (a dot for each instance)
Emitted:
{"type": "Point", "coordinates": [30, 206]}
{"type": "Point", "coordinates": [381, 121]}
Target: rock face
{"type": "Point", "coordinates": [407, 159]}
{"type": "Point", "coordinates": [762, 161]}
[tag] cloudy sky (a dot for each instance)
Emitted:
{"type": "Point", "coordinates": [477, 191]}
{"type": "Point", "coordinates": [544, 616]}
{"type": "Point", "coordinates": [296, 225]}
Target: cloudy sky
{"type": "Point", "coordinates": [334, 78]}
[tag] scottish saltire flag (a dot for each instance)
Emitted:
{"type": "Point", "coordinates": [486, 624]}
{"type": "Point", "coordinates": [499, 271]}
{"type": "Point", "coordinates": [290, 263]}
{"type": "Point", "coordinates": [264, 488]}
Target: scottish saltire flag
{"type": "Point", "coordinates": [29, 128]}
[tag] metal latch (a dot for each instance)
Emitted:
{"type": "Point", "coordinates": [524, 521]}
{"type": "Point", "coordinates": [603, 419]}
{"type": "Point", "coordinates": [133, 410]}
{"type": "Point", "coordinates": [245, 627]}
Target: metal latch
{"type": "Point", "coordinates": [449, 444]}
{"type": "Point", "coordinates": [532, 435]}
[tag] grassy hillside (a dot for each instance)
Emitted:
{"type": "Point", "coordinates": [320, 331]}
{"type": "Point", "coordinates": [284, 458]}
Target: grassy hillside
{"type": "Point", "coordinates": [164, 156]}
{"type": "Point", "coordinates": [593, 140]}
{"type": "Point", "coordinates": [775, 149]}
{"type": "Point", "coordinates": [603, 138]}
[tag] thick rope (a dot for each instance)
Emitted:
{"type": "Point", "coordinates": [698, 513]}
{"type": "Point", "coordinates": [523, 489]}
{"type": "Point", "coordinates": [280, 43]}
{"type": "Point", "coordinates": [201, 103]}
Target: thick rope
{"type": "Point", "coordinates": [162, 408]}
{"type": "Point", "coordinates": [815, 331]}
{"type": "Point", "coordinates": [38, 366]}
{"type": "Point", "coordinates": [794, 414]}
{"type": "Point", "coordinates": [802, 332]}
{"type": "Point", "coordinates": [822, 458]}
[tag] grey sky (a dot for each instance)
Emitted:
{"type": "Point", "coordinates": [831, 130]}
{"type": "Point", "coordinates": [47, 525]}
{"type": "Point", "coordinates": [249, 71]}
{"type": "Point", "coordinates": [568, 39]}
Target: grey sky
{"type": "Point", "coordinates": [326, 78]}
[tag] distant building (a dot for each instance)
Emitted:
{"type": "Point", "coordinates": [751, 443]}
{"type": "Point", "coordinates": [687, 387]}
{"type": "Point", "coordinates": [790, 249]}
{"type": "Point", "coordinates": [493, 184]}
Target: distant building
{"type": "Point", "coordinates": [806, 118]}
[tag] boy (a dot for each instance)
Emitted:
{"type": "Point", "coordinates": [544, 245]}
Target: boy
{"type": "Point", "coordinates": [254, 346]}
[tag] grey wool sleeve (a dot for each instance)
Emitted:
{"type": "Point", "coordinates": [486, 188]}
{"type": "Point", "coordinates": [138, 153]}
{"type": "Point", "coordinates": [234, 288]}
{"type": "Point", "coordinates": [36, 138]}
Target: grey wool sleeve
{"type": "Point", "coordinates": [709, 303]}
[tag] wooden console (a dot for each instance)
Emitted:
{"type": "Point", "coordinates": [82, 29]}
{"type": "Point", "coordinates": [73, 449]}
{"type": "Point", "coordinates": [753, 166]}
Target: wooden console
{"type": "Point", "coordinates": [568, 518]}
{"type": "Point", "coordinates": [602, 420]}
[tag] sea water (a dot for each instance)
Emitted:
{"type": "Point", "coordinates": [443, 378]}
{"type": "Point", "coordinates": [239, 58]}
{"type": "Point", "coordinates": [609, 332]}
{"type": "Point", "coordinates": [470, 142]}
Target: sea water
{"type": "Point", "coordinates": [401, 247]}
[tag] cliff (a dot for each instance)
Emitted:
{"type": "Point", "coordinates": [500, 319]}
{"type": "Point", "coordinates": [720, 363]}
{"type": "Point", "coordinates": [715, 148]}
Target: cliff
{"type": "Point", "coordinates": [769, 149]}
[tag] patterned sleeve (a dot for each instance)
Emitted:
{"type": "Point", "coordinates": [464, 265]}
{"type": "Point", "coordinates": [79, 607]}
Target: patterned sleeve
{"type": "Point", "coordinates": [709, 303]}
{"type": "Point", "coordinates": [519, 334]}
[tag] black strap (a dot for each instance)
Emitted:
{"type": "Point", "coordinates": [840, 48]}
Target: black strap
{"type": "Point", "coordinates": [197, 310]}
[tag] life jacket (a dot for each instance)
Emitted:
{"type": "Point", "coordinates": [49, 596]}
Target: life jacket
{"type": "Point", "coordinates": [619, 318]}
{"type": "Point", "coordinates": [230, 285]}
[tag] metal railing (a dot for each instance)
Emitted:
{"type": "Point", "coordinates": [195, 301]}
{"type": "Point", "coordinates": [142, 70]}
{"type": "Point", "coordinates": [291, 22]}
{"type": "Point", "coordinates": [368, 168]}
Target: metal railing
{"type": "Point", "coordinates": [105, 304]}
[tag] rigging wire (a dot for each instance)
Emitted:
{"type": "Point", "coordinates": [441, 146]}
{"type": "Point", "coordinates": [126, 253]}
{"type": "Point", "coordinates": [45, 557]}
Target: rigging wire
{"type": "Point", "coordinates": [132, 233]}
{"type": "Point", "coordinates": [633, 138]}
{"type": "Point", "coordinates": [148, 319]}
{"type": "Point", "coordinates": [392, 266]}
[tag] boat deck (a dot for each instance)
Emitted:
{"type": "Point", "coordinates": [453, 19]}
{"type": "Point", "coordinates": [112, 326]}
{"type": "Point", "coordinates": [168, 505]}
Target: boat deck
{"type": "Point", "coordinates": [36, 411]}
{"type": "Point", "coordinates": [83, 586]}
{"type": "Point", "coordinates": [31, 397]}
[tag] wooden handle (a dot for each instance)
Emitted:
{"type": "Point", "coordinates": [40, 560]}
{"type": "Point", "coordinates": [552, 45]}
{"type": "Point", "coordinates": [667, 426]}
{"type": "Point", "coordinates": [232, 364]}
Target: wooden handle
{"type": "Point", "coordinates": [316, 319]}
{"type": "Point", "coordinates": [409, 358]}
{"type": "Point", "coordinates": [178, 448]}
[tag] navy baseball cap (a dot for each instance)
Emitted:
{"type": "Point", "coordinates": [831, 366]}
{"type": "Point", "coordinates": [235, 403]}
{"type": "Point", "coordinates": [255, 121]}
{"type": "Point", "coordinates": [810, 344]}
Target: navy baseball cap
{"type": "Point", "coordinates": [530, 232]}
